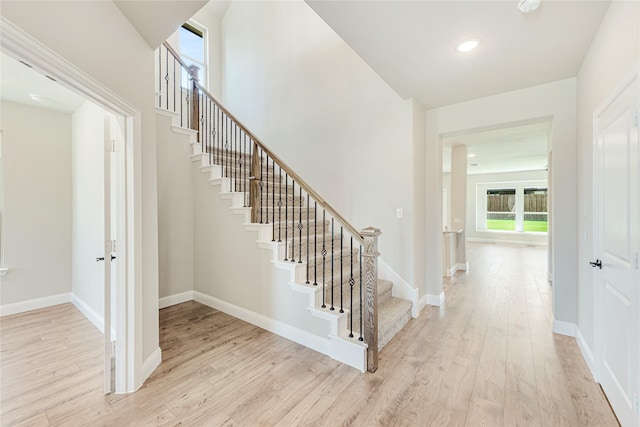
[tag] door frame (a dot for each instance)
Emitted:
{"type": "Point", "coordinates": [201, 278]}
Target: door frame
{"type": "Point", "coordinates": [632, 74]}
{"type": "Point", "coordinates": [127, 159]}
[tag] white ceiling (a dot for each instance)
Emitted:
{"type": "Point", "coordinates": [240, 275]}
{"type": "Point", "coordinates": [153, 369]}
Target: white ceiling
{"type": "Point", "coordinates": [412, 44]}
{"type": "Point", "coordinates": [156, 20]}
{"type": "Point", "coordinates": [512, 149]}
{"type": "Point", "coordinates": [18, 81]}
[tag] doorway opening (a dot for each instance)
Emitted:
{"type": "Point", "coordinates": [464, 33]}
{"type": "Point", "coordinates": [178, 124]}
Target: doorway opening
{"type": "Point", "coordinates": [122, 352]}
{"type": "Point", "coordinates": [497, 189]}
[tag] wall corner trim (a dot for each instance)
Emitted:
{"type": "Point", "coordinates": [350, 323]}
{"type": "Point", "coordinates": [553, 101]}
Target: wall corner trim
{"type": "Point", "coordinates": [151, 364]}
{"type": "Point", "coordinates": [564, 328]}
{"type": "Point", "coordinates": [587, 353]}
{"type": "Point", "coordinates": [34, 304]}
{"type": "Point", "coordinates": [435, 300]}
{"type": "Point", "coordinates": [89, 313]}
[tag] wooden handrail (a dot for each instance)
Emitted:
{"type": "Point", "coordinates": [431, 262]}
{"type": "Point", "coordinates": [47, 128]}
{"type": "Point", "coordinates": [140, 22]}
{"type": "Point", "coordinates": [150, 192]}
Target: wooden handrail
{"type": "Point", "coordinates": [307, 188]}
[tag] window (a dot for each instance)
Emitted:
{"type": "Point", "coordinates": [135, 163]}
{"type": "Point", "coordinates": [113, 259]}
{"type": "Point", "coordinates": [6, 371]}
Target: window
{"type": "Point", "coordinates": [192, 46]}
{"type": "Point", "coordinates": [501, 205]}
{"type": "Point", "coordinates": [512, 207]}
{"type": "Point", "coordinates": [535, 210]}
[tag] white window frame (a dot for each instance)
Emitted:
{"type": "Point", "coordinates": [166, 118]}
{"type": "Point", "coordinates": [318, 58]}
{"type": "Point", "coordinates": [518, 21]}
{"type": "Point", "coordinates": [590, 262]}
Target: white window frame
{"type": "Point", "coordinates": [519, 186]}
{"type": "Point", "coordinates": [203, 75]}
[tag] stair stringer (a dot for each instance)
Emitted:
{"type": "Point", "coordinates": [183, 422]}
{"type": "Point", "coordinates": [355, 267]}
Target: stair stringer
{"type": "Point", "coordinates": [333, 341]}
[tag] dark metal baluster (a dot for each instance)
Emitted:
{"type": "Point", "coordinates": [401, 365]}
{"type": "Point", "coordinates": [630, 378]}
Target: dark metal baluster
{"type": "Point", "coordinates": [234, 164]}
{"type": "Point", "coordinates": [299, 228]}
{"type": "Point", "coordinates": [293, 221]}
{"type": "Point", "coordinates": [286, 214]}
{"type": "Point", "coordinates": [308, 224]}
{"type": "Point", "coordinates": [332, 283]}
{"type": "Point", "coordinates": [273, 195]}
{"type": "Point", "coordinates": [324, 256]}
{"type": "Point", "coordinates": [222, 138]}
{"type": "Point", "coordinates": [218, 137]}
{"type": "Point", "coordinates": [203, 126]}
{"type": "Point", "coordinates": [315, 243]}
{"type": "Point", "coordinates": [261, 185]}
{"type": "Point", "coordinates": [180, 90]}
{"type": "Point", "coordinates": [244, 176]}
{"type": "Point", "coordinates": [361, 338]}
{"type": "Point", "coordinates": [351, 283]}
{"type": "Point", "coordinates": [187, 106]}
{"type": "Point", "coordinates": [267, 200]}
{"type": "Point", "coordinates": [341, 248]}
{"type": "Point", "coordinates": [160, 76]}
{"type": "Point", "coordinates": [236, 158]}
{"type": "Point", "coordinates": [166, 77]}
{"type": "Point", "coordinates": [280, 212]}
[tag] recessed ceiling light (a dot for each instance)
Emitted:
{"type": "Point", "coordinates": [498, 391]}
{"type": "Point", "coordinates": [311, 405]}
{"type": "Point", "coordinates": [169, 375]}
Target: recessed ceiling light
{"type": "Point", "coordinates": [468, 46]}
{"type": "Point", "coordinates": [36, 98]}
{"type": "Point", "coordinates": [528, 6]}
{"type": "Point", "coordinates": [471, 155]}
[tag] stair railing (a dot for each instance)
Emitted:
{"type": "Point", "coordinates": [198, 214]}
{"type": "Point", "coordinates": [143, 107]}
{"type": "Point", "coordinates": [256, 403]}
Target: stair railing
{"type": "Point", "coordinates": [278, 196]}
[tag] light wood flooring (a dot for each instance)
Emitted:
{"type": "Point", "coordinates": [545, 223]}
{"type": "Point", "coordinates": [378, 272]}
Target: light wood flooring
{"type": "Point", "coordinates": [487, 357]}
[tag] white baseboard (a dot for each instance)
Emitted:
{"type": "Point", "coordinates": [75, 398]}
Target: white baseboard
{"type": "Point", "coordinates": [587, 354]}
{"type": "Point", "coordinates": [151, 364]}
{"type": "Point", "coordinates": [462, 266]}
{"type": "Point", "coordinates": [89, 313]}
{"type": "Point", "coordinates": [175, 299]}
{"type": "Point", "coordinates": [564, 328]}
{"type": "Point", "coordinates": [294, 334]}
{"type": "Point", "coordinates": [34, 304]}
{"type": "Point", "coordinates": [401, 288]}
{"type": "Point", "coordinates": [506, 241]}
{"type": "Point", "coordinates": [435, 300]}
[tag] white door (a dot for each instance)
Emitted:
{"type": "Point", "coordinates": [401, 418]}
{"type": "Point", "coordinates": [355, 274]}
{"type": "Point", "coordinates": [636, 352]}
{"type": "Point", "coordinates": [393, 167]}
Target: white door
{"type": "Point", "coordinates": [109, 258]}
{"type": "Point", "coordinates": [616, 240]}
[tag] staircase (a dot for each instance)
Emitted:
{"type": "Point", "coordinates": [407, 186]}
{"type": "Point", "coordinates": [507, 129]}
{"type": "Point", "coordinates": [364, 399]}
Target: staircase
{"type": "Point", "coordinates": [328, 260]}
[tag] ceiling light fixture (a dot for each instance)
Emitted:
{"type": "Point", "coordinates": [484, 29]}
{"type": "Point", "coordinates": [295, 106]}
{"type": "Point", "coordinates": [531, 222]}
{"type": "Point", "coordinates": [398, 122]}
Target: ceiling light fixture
{"type": "Point", "coordinates": [471, 155]}
{"type": "Point", "coordinates": [468, 46]}
{"type": "Point", "coordinates": [528, 6]}
{"type": "Point", "coordinates": [36, 98]}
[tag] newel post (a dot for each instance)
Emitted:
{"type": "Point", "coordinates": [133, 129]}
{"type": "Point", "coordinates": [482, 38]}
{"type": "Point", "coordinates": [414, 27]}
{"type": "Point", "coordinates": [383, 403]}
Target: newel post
{"type": "Point", "coordinates": [370, 307]}
{"type": "Point", "coordinates": [254, 186]}
{"type": "Point", "coordinates": [195, 100]}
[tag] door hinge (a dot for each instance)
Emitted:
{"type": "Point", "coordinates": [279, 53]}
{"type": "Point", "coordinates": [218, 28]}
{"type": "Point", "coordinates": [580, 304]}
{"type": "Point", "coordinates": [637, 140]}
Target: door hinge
{"type": "Point", "coordinates": [110, 146]}
{"type": "Point", "coordinates": [110, 246]}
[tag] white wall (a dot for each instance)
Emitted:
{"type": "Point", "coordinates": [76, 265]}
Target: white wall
{"type": "Point", "coordinates": [615, 48]}
{"type": "Point", "coordinates": [175, 210]}
{"type": "Point", "coordinates": [87, 153]}
{"type": "Point", "coordinates": [231, 267]}
{"type": "Point", "coordinates": [300, 88]}
{"type": "Point", "coordinates": [556, 100]}
{"type": "Point", "coordinates": [511, 237]}
{"type": "Point", "coordinates": [37, 203]}
{"type": "Point", "coordinates": [97, 38]}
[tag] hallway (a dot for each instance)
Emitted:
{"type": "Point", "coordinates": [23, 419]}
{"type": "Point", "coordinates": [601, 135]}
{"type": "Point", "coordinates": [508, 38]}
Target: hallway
{"type": "Point", "coordinates": [488, 357]}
